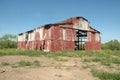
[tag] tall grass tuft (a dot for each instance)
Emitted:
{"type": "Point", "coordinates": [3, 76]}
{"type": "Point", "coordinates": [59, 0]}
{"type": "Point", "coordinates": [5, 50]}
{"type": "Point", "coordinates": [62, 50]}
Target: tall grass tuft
{"type": "Point", "coordinates": [24, 63]}
{"type": "Point", "coordinates": [106, 75]}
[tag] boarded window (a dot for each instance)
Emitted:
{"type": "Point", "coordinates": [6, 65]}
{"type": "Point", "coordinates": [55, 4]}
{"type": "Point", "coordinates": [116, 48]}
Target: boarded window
{"type": "Point", "coordinates": [81, 24]}
{"type": "Point", "coordinates": [64, 34]}
{"type": "Point", "coordinates": [68, 34]}
{"type": "Point", "coordinates": [97, 37]}
{"type": "Point", "coordinates": [20, 38]}
{"type": "Point", "coordinates": [30, 36]}
{"type": "Point", "coordinates": [41, 33]}
{"type": "Point", "coordinates": [76, 25]}
{"type": "Point", "coordinates": [84, 24]}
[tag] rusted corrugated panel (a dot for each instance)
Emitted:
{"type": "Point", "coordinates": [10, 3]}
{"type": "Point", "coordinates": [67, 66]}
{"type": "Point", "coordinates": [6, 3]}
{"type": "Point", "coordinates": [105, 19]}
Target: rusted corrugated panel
{"type": "Point", "coordinates": [56, 33]}
{"type": "Point", "coordinates": [56, 45]}
{"type": "Point", "coordinates": [62, 39]}
{"type": "Point", "coordinates": [93, 37]}
{"type": "Point", "coordinates": [59, 36]}
{"type": "Point", "coordinates": [68, 39]}
{"type": "Point", "coordinates": [37, 40]}
{"type": "Point", "coordinates": [56, 38]}
{"type": "Point", "coordinates": [46, 46]}
{"type": "Point", "coordinates": [92, 46]}
{"type": "Point", "coordinates": [21, 44]}
{"type": "Point", "coordinates": [68, 45]}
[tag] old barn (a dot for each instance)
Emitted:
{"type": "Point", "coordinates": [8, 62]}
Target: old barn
{"type": "Point", "coordinates": [71, 34]}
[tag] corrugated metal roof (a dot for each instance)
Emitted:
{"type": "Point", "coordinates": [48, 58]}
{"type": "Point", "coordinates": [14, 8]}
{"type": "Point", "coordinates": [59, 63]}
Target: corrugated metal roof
{"type": "Point", "coordinates": [68, 21]}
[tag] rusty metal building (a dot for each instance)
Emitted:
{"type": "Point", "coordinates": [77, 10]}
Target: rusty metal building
{"type": "Point", "coordinates": [71, 34]}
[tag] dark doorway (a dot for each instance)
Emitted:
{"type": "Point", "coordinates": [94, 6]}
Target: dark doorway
{"type": "Point", "coordinates": [81, 37]}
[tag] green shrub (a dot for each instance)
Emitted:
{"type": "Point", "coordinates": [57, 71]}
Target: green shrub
{"type": "Point", "coordinates": [112, 45]}
{"type": "Point", "coordinates": [8, 41]}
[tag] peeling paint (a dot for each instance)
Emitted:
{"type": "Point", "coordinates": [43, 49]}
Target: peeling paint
{"type": "Point", "coordinates": [65, 35]}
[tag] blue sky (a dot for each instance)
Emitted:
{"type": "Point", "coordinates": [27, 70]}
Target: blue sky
{"type": "Point", "coordinates": [18, 16]}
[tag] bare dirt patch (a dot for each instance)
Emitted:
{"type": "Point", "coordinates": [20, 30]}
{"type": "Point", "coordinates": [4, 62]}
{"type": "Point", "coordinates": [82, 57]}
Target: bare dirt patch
{"type": "Point", "coordinates": [50, 69]}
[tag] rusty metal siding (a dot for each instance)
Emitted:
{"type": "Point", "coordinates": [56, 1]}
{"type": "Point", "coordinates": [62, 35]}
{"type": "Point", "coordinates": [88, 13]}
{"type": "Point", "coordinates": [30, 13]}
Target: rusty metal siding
{"type": "Point", "coordinates": [68, 45]}
{"type": "Point", "coordinates": [62, 39]}
{"type": "Point", "coordinates": [92, 46]}
{"type": "Point", "coordinates": [21, 41]}
{"type": "Point", "coordinates": [60, 36]}
{"type": "Point", "coordinates": [56, 33]}
{"type": "Point", "coordinates": [47, 38]}
{"type": "Point", "coordinates": [56, 38]}
{"type": "Point", "coordinates": [37, 40]}
{"type": "Point", "coordinates": [56, 45]}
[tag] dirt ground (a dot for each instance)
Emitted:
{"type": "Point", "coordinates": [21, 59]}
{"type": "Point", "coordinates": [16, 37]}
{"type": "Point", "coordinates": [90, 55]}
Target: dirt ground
{"type": "Point", "coordinates": [64, 68]}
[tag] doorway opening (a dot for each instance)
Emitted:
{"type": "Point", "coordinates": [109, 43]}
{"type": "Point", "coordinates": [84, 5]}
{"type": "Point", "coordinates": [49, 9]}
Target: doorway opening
{"type": "Point", "coordinates": [81, 37]}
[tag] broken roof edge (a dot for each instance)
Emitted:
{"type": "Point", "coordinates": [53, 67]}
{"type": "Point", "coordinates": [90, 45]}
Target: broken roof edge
{"type": "Point", "coordinates": [94, 29]}
{"type": "Point", "coordinates": [70, 20]}
{"type": "Point", "coordinates": [82, 18]}
{"type": "Point", "coordinates": [60, 23]}
{"type": "Point", "coordinates": [27, 31]}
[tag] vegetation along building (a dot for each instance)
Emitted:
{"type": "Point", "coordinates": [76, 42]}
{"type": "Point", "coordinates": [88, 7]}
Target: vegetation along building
{"type": "Point", "coordinates": [71, 34]}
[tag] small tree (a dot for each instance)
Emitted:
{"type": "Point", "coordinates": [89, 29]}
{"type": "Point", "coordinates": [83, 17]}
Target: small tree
{"type": "Point", "coordinates": [112, 45]}
{"type": "Point", "coordinates": [8, 41]}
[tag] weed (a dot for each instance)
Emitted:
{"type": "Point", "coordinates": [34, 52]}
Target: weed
{"type": "Point", "coordinates": [24, 63]}
{"type": "Point", "coordinates": [14, 65]}
{"type": "Point", "coordinates": [5, 64]}
{"type": "Point", "coordinates": [68, 68]}
{"type": "Point", "coordinates": [96, 59]}
{"type": "Point", "coordinates": [61, 59]}
{"type": "Point", "coordinates": [106, 63]}
{"type": "Point", "coordinates": [116, 60]}
{"type": "Point", "coordinates": [36, 63]}
{"type": "Point", "coordinates": [86, 60]}
{"type": "Point", "coordinates": [58, 66]}
{"type": "Point", "coordinates": [58, 75]}
{"type": "Point", "coordinates": [106, 75]}
{"type": "Point", "coordinates": [85, 66]}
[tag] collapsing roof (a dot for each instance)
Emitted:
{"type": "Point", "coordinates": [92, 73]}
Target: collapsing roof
{"type": "Point", "coordinates": [71, 34]}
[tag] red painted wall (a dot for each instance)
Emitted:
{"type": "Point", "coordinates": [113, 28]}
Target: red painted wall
{"type": "Point", "coordinates": [53, 38]}
{"type": "Point", "coordinates": [92, 46]}
{"type": "Point", "coordinates": [21, 44]}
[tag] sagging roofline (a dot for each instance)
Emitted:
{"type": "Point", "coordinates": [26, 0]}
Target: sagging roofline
{"type": "Point", "coordinates": [62, 23]}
